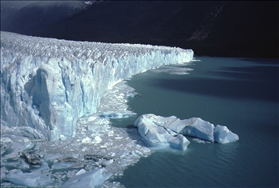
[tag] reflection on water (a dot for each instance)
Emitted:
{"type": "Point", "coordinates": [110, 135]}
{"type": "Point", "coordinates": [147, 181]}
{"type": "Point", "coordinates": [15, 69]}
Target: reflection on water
{"type": "Point", "coordinates": [239, 93]}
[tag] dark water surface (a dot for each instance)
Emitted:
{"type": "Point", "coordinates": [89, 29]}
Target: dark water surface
{"type": "Point", "coordinates": [239, 93]}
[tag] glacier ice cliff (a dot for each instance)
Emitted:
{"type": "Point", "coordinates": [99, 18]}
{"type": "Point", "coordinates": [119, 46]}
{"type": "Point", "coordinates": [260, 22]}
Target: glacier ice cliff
{"type": "Point", "coordinates": [47, 84]}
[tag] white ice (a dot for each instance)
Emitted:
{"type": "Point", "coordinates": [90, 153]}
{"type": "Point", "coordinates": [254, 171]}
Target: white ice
{"type": "Point", "coordinates": [157, 131]}
{"type": "Point", "coordinates": [33, 179]}
{"type": "Point", "coordinates": [88, 179]}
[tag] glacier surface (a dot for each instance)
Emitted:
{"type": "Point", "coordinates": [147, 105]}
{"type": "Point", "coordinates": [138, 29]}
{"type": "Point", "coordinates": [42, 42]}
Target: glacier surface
{"type": "Point", "coordinates": [48, 84]}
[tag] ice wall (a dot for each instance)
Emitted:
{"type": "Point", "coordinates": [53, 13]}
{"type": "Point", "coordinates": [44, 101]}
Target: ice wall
{"type": "Point", "coordinates": [47, 84]}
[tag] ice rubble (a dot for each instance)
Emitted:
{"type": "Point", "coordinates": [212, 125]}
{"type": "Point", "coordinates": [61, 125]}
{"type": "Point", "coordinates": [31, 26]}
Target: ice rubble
{"type": "Point", "coordinates": [47, 84]}
{"type": "Point", "coordinates": [165, 132]}
{"type": "Point", "coordinates": [97, 151]}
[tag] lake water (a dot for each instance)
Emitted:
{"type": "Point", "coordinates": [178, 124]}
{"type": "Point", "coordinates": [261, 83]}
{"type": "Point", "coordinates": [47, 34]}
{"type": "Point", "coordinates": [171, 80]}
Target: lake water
{"type": "Point", "coordinates": [241, 94]}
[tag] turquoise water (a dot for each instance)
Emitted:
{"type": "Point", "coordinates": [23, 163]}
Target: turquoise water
{"type": "Point", "coordinates": [239, 93]}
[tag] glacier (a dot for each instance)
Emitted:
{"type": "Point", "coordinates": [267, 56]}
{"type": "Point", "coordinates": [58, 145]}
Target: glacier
{"type": "Point", "coordinates": [48, 84]}
{"type": "Point", "coordinates": [57, 99]}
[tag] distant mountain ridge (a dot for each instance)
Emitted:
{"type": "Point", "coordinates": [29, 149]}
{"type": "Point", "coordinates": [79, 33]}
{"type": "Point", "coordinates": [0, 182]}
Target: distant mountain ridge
{"type": "Point", "coordinates": [31, 17]}
{"type": "Point", "coordinates": [215, 28]}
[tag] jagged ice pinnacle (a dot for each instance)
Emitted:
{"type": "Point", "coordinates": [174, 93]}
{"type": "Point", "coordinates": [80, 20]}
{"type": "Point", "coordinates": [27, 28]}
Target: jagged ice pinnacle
{"type": "Point", "coordinates": [47, 84]}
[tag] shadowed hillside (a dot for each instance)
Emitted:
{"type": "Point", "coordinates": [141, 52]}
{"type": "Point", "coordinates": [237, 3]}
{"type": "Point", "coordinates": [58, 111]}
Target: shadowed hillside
{"type": "Point", "coordinates": [243, 29]}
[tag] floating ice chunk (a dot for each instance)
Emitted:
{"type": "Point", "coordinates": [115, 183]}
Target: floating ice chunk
{"type": "Point", "coordinates": [88, 179]}
{"type": "Point", "coordinates": [117, 115]}
{"type": "Point", "coordinates": [62, 137]}
{"type": "Point", "coordinates": [86, 140]}
{"type": "Point", "coordinates": [97, 140]}
{"type": "Point", "coordinates": [199, 128]}
{"type": "Point", "coordinates": [158, 131]}
{"type": "Point", "coordinates": [136, 153]}
{"type": "Point", "coordinates": [223, 135]}
{"type": "Point", "coordinates": [82, 171]}
{"type": "Point", "coordinates": [132, 94]}
{"type": "Point", "coordinates": [33, 179]}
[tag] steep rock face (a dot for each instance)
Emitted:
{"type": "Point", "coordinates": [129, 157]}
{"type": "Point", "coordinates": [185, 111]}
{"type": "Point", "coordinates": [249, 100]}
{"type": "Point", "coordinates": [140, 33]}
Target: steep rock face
{"type": "Point", "coordinates": [47, 84]}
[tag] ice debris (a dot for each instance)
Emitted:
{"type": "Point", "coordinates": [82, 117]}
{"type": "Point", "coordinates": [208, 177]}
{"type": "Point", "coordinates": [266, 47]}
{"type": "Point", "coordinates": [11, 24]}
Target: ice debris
{"type": "Point", "coordinates": [32, 179]}
{"type": "Point", "coordinates": [164, 132]}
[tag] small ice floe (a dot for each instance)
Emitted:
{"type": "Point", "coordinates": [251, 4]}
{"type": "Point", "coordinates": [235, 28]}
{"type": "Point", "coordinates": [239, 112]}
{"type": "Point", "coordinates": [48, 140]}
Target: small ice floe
{"type": "Point", "coordinates": [132, 94]}
{"type": "Point", "coordinates": [117, 115]}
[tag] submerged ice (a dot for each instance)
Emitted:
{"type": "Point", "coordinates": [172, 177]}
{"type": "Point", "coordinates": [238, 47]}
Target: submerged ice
{"type": "Point", "coordinates": [47, 84]}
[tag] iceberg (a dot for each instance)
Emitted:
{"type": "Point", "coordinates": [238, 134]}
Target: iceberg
{"type": "Point", "coordinates": [48, 84]}
{"type": "Point", "coordinates": [163, 132]}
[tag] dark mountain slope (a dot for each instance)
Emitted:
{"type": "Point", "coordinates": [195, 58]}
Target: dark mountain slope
{"type": "Point", "coordinates": [37, 16]}
{"type": "Point", "coordinates": [129, 21]}
{"type": "Point", "coordinates": [242, 29]}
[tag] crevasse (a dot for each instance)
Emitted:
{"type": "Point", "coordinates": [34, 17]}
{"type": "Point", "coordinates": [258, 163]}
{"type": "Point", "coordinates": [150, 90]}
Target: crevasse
{"type": "Point", "coordinates": [47, 84]}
